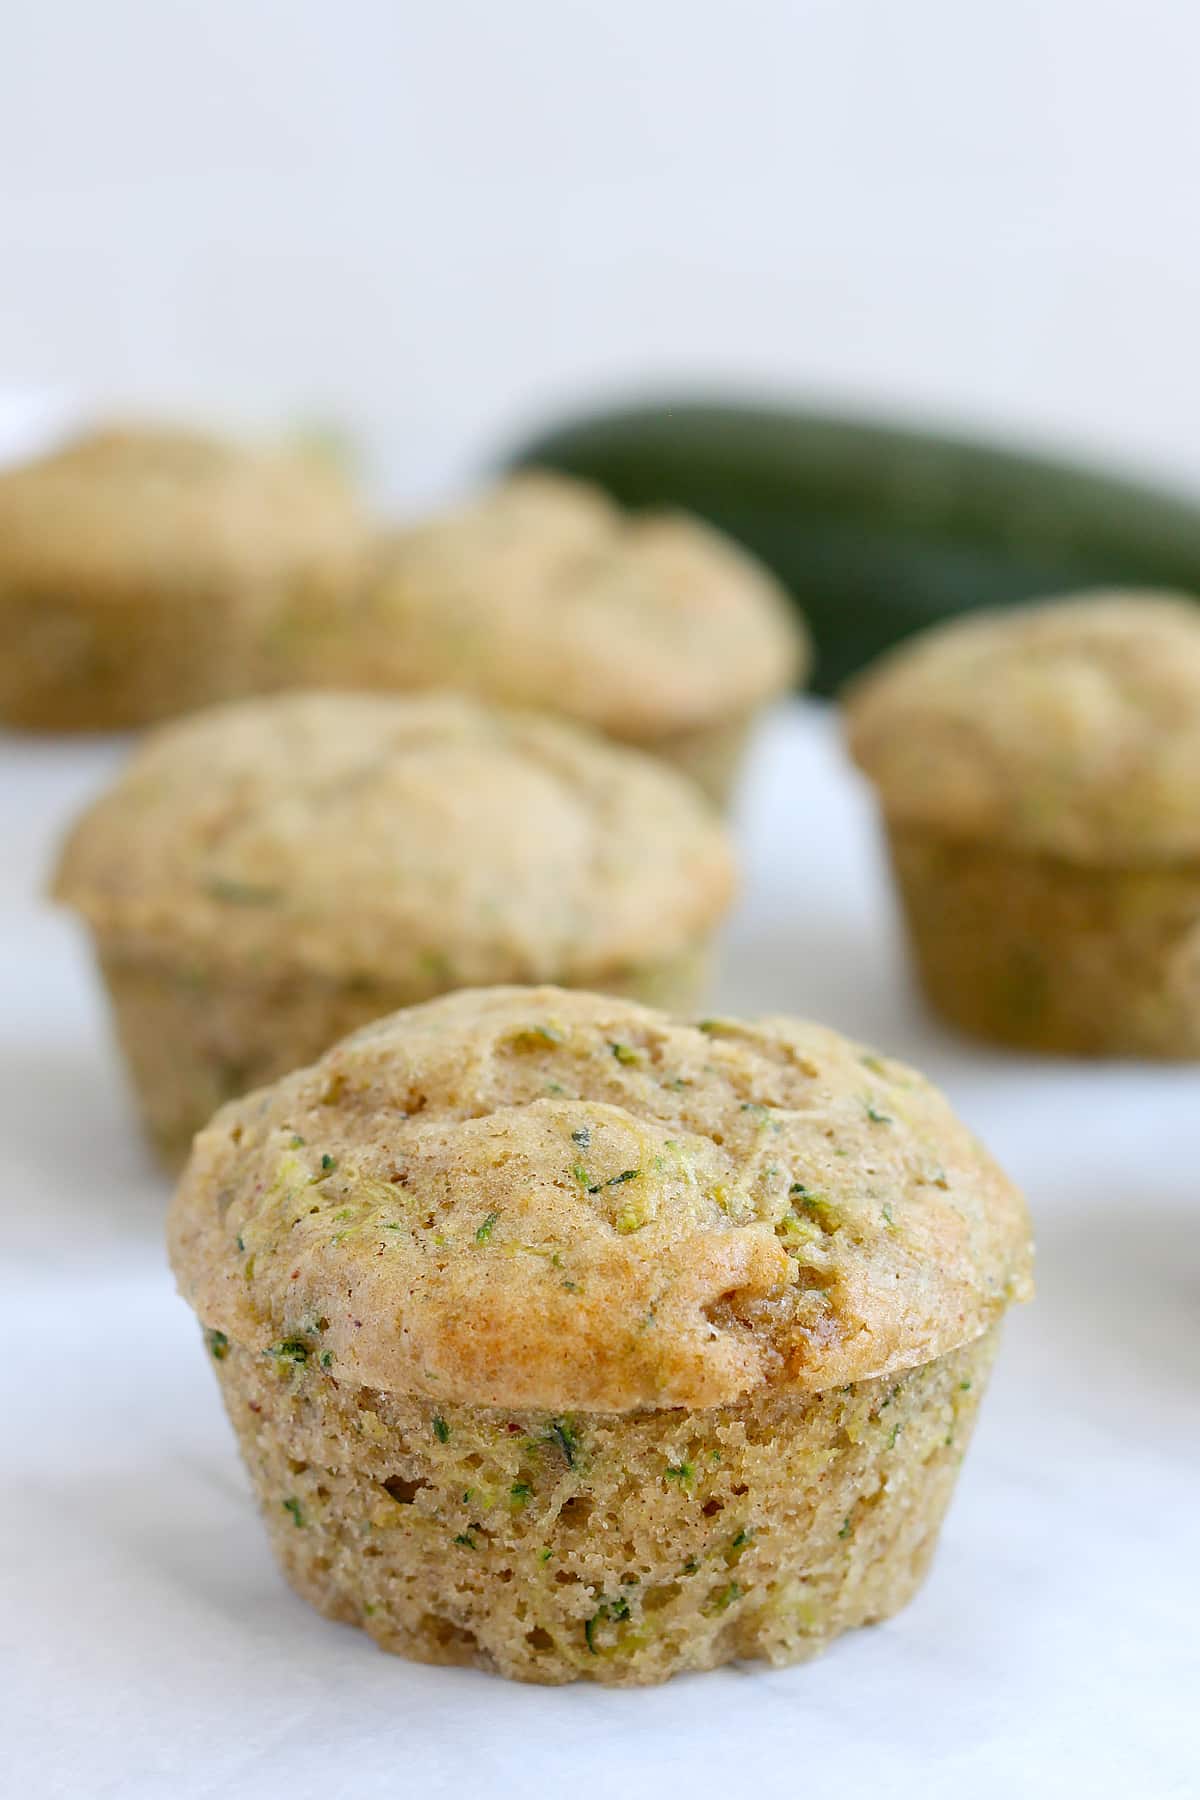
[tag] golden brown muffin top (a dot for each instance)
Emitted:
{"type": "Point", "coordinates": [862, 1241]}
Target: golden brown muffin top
{"type": "Point", "coordinates": [543, 593]}
{"type": "Point", "coordinates": [1071, 728]}
{"type": "Point", "coordinates": [360, 835]}
{"type": "Point", "coordinates": [116, 512]}
{"type": "Point", "coordinates": [534, 1197]}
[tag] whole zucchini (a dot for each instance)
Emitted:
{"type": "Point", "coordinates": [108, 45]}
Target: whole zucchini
{"type": "Point", "coordinates": [879, 529]}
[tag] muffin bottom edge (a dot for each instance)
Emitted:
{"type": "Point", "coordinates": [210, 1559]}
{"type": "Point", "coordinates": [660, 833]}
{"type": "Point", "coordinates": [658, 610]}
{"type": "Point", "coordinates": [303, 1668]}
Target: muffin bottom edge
{"type": "Point", "coordinates": [617, 1548]}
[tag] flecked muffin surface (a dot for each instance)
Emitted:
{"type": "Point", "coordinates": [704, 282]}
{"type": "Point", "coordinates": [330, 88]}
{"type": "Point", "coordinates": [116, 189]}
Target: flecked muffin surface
{"type": "Point", "coordinates": [1038, 772]}
{"type": "Point", "coordinates": [569, 1341]}
{"type": "Point", "coordinates": [612, 1547]}
{"type": "Point", "coordinates": [353, 833]}
{"type": "Point", "coordinates": [177, 507]}
{"type": "Point", "coordinates": [145, 571]}
{"type": "Point", "coordinates": [541, 592]}
{"type": "Point", "coordinates": [1072, 728]}
{"type": "Point", "coordinates": [553, 1199]}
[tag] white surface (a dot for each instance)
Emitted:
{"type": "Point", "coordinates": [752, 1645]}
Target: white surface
{"type": "Point", "coordinates": [429, 220]}
{"type": "Point", "coordinates": [149, 1648]}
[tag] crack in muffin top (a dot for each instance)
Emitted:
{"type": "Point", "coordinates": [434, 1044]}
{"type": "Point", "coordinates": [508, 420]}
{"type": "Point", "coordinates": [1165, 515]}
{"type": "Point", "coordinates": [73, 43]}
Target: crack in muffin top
{"type": "Point", "coordinates": [120, 512]}
{"type": "Point", "coordinates": [534, 1197]}
{"type": "Point", "coordinates": [1071, 728]}
{"type": "Point", "coordinates": [541, 592]}
{"type": "Point", "coordinates": [364, 836]}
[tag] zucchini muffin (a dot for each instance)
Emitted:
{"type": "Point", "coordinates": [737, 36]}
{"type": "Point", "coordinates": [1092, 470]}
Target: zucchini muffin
{"type": "Point", "coordinates": [268, 876]}
{"type": "Point", "coordinates": [1038, 772]}
{"type": "Point", "coordinates": [147, 571]}
{"type": "Point", "coordinates": [570, 1341]}
{"type": "Point", "coordinates": [657, 631]}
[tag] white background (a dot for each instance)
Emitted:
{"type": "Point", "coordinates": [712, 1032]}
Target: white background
{"type": "Point", "coordinates": [434, 221]}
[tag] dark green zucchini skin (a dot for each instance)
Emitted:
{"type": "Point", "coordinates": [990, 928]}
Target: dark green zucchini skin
{"type": "Point", "coordinates": [879, 529]}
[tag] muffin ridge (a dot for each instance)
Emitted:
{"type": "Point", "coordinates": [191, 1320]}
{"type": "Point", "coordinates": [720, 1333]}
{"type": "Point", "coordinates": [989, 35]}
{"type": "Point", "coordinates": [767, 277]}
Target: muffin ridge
{"type": "Point", "coordinates": [1071, 729]}
{"type": "Point", "coordinates": [228, 831]}
{"type": "Point", "coordinates": [539, 591]}
{"type": "Point", "coordinates": [669, 1229]}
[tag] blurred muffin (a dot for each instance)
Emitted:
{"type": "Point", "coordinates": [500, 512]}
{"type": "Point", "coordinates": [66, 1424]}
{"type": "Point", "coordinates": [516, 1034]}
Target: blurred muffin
{"type": "Point", "coordinates": [657, 631]}
{"type": "Point", "coordinates": [1039, 777]}
{"type": "Point", "coordinates": [268, 876]}
{"type": "Point", "coordinates": [143, 572]}
{"type": "Point", "coordinates": [567, 1340]}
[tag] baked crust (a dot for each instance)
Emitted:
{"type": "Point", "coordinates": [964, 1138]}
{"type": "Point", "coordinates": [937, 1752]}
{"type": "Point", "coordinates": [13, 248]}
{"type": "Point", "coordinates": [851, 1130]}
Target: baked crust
{"type": "Point", "coordinates": [118, 511]}
{"type": "Point", "coordinates": [542, 593]}
{"type": "Point", "coordinates": [418, 839]}
{"type": "Point", "coordinates": [146, 572]}
{"type": "Point", "coordinates": [542, 1198]}
{"type": "Point", "coordinates": [1070, 728]}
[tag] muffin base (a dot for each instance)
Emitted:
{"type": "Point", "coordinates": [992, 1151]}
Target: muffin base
{"type": "Point", "coordinates": [78, 662]}
{"type": "Point", "coordinates": [195, 1035]}
{"type": "Point", "coordinates": [74, 666]}
{"type": "Point", "coordinates": [615, 1548]}
{"type": "Point", "coordinates": [1042, 954]}
{"type": "Point", "coordinates": [712, 756]}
